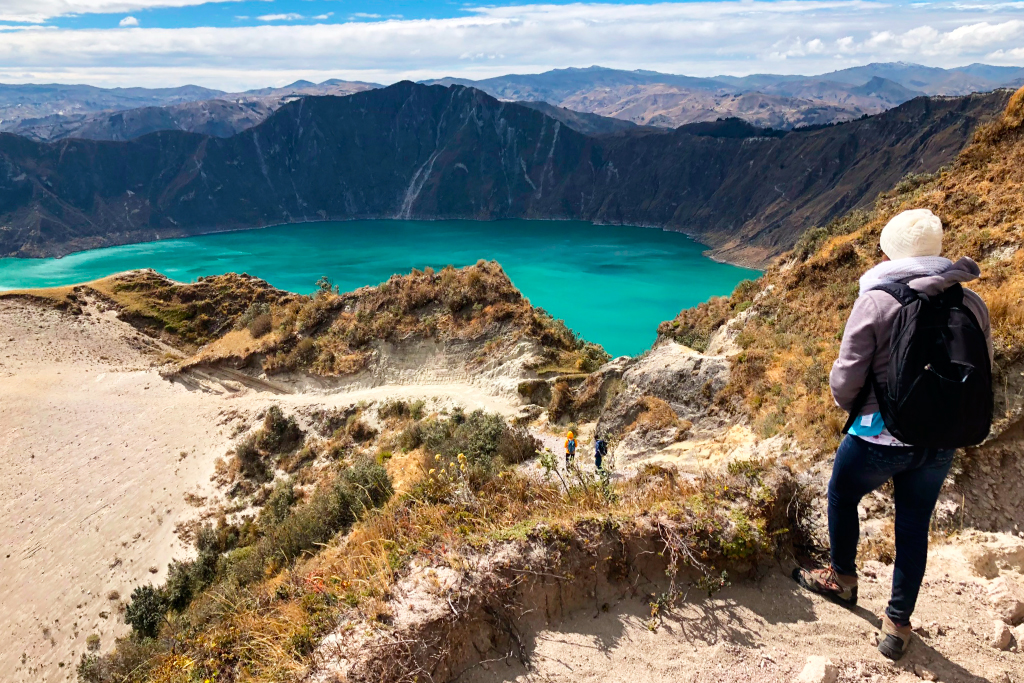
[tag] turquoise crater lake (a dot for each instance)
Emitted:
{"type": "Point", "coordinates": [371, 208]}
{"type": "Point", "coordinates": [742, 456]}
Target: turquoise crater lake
{"type": "Point", "coordinates": [612, 284]}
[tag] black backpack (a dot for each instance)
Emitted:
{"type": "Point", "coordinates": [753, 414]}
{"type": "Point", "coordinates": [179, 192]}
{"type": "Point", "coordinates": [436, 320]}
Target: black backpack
{"type": "Point", "coordinates": [938, 389]}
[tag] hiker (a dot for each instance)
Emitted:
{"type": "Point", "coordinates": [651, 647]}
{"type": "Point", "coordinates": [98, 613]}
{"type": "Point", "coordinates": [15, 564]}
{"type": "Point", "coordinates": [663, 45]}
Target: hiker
{"type": "Point", "coordinates": [914, 373]}
{"type": "Point", "coordinates": [600, 450]}
{"type": "Point", "coordinates": [570, 448]}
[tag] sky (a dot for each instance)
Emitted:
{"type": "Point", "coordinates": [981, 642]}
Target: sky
{"type": "Point", "coordinates": [240, 44]}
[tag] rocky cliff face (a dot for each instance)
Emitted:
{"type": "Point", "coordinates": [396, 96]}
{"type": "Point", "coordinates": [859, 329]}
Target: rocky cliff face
{"type": "Point", "coordinates": [414, 151]}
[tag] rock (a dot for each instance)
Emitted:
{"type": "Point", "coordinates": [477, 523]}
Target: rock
{"type": "Point", "coordinates": [818, 670]}
{"type": "Point", "coordinates": [1001, 636]}
{"type": "Point", "coordinates": [686, 380]}
{"type": "Point", "coordinates": [924, 673]}
{"type": "Point", "coordinates": [1006, 600]}
{"type": "Point", "coordinates": [1018, 635]}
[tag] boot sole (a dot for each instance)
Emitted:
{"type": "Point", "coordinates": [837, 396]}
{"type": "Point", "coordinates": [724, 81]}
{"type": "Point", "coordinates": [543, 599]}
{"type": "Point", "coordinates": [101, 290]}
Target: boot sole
{"type": "Point", "coordinates": [892, 648]}
{"type": "Point", "coordinates": [834, 597]}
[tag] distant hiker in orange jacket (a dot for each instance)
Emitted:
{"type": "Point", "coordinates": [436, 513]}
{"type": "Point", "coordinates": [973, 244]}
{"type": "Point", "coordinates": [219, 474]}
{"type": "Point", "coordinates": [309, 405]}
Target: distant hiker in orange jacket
{"type": "Point", "coordinates": [570, 448]}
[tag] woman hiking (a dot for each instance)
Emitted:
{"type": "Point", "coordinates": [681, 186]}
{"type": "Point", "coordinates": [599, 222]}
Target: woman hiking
{"type": "Point", "coordinates": [570, 449]}
{"type": "Point", "coordinates": [914, 372]}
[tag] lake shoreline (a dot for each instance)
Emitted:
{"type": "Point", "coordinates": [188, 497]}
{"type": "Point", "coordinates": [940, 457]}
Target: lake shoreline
{"type": "Point", "coordinates": [613, 284]}
{"type": "Point", "coordinates": [710, 252]}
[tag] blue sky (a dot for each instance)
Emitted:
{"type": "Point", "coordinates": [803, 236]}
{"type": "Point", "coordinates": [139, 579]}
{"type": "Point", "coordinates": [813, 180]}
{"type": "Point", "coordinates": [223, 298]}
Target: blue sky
{"type": "Point", "coordinates": [235, 45]}
{"type": "Point", "coordinates": [258, 12]}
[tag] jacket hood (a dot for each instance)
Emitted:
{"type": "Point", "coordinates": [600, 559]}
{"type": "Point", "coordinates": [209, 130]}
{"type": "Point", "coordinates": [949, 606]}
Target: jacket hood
{"type": "Point", "coordinates": [927, 274]}
{"type": "Point", "coordinates": [963, 270]}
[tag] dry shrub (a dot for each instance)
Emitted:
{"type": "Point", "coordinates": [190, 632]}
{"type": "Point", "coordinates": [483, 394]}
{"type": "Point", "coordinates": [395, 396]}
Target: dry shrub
{"type": "Point", "coordinates": [261, 325]}
{"type": "Point", "coordinates": [357, 428]}
{"type": "Point", "coordinates": [655, 414]}
{"type": "Point", "coordinates": [880, 546]}
{"type": "Point", "coordinates": [1006, 308]}
{"type": "Point", "coordinates": [302, 355]}
{"type": "Point", "coordinates": [561, 400]}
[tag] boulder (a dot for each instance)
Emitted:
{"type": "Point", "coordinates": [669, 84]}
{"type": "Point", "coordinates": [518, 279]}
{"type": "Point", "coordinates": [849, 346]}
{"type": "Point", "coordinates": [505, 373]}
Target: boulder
{"type": "Point", "coordinates": [1001, 636]}
{"type": "Point", "coordinates": [1018, 636]}
{"type": "Point", "coordinates": [1006, 600]}
{"type": "Point", "coordinates": [686, 380]}
{"type": "Point", "coordinates": [818, 670]}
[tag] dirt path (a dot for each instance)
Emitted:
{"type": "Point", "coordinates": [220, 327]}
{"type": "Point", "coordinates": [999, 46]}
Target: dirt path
{"type": "Point", "coordinates": [764, 631]}
{"type": "Point", "coordinates": [98, 452]}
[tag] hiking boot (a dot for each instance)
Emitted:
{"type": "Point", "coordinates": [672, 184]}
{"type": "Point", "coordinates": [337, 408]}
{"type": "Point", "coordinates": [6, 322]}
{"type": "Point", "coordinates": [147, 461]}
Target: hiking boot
{"type": "Point", "coordinates": [894, 639]}
{"type": "Point", "coordinates": [826, 582]}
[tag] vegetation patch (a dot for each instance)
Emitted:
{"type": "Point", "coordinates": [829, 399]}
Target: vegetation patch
{"type": "Point", "coordinates": [263, 592]}
{"type": "Point", "coordinates": [790, 337]}
{"type": "Point", "coordinates": [334, 334]}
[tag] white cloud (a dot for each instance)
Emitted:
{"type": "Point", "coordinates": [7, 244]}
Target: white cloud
{"type": "Point", "coordinates": [290, 16]}
{"type": "Point", "coordinates": [38, 11]}
{"type": "Point", "coordinates": [323, 17]}
{"type": "Point", "coordinates": [128, 21]}
{"type": "Point", "coordinates": [699, 38]}
{"type": "Point", "coordinates": [976, 39]}
{"type": "Point", "coordinates": [364, 15]}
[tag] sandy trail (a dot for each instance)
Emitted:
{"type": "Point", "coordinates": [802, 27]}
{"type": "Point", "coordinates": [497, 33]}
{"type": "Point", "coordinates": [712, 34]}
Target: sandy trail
{"type": "Point", "coordinates": [98, 452]}
{"type": "Point", "coordinates": [764, 631]}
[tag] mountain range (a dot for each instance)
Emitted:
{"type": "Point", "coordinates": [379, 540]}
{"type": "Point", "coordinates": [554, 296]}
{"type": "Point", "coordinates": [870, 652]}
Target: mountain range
{"type": "Point", "coordinates": [79, 112]}
{"type": "Point", "coordinates": [652, 98]}
{"type": "Point", "coordinates": [419, 151]}
{"type": "Point", "coordinates": [649, 98]}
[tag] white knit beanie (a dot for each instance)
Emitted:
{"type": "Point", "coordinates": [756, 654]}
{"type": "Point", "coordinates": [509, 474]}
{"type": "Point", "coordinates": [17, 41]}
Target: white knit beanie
{"type": "Point", "coordinates": [917, 232]}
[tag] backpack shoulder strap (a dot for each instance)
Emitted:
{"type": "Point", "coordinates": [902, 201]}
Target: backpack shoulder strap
{"type": "Point", "coordinates": [905, 294]}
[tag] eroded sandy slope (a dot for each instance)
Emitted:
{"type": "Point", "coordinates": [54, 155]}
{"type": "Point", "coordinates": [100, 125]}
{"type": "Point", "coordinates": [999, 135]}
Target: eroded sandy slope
{"type": "Point", "coordinates": [98, 453]}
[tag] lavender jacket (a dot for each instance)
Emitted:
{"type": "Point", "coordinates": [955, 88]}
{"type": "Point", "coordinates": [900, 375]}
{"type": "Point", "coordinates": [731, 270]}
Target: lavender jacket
{"type": "Point", "coordinates": [866, 339]}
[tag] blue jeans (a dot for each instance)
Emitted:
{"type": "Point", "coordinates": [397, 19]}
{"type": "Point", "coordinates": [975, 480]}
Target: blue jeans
{"type": "Point", "coordinates": [917, 475]}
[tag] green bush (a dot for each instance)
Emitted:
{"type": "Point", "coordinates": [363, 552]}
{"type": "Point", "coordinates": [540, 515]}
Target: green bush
{"type": "Point", "coordinates": [480, 436]}
{"type": "Point", "coordinates": [411, 437]}
{"type": "Point", "coordinates": [518, 445]}
{"type": "Point", "coordinates": [91, 669]}
{"type": "Point", "coordinates": [279, 434]}
{"type": "Point", "coordinates": [250, 460]}
{"type": "Point", "coordinates": [278, 505]}
{"type": "Point", "coordinates": [129, 663]}
{"type": "Point", "coordinates": [394, 407]}
{"type": "Point", "coordinates": [145, 611]}
{"type": "Point", "coordinates": [592, 357]}
{"type": "Point", "coordinates": [180, 585]}
{"type": "Point", "coordinates": [331, 509]}
{"type": "Point", "coordinates": [255, 310]}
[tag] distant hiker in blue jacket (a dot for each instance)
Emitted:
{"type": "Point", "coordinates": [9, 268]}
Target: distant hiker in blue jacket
{"type": "Point", "coordinates": [600, 451]}
{"type": "Point", "coordinates": [914, 373]}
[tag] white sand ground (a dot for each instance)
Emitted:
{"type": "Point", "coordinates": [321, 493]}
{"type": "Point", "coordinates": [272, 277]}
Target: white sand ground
{"type": "Point", "coordinates": [764, 631]}
{"type": "Point", "coordinates": [97, 453]}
